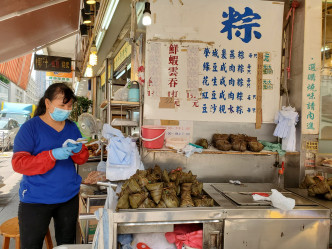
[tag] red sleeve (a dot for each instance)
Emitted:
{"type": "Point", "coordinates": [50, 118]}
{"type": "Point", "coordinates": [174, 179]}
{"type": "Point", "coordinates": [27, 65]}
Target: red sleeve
{"type": "Point", "coordinates": [82, 156]}
{"type": "Point", "coordinates": [25, 163]}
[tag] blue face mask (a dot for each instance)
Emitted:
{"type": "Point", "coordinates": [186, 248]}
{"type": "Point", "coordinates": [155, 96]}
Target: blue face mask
{"type": "Point", "coordinates": [60, 114]}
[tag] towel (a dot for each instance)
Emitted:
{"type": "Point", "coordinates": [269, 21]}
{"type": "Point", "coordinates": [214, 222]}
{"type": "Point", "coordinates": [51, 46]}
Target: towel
{"type": "Point", "coordinates": [103, 238]}
{"type": "Point", "coordinates": [119, 148]}
{"type": "Point", "coordinates": [286, 119]}
{"type": "Point", "coordinates": [276, 147]}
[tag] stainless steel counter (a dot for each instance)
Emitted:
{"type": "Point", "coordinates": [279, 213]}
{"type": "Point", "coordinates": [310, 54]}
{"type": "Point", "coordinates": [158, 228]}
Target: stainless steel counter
{"type": "Point", "coordinates": [304, 193]}
{"type": "Point", "coordinates": [306, 226]}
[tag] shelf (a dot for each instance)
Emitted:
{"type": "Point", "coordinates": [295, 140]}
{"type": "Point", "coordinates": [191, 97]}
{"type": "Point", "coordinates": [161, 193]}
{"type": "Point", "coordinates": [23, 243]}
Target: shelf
{"type": "Point", "coordinates": [124, 103]}
{"type": "Point", "coordinates": [231, 152]}
{"type": "Point", "coordinates": [116, 103]}
{"type": "Point", "coordinates": [325, 169]}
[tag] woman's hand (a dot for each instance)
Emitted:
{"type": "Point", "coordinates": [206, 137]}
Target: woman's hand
{"type": "Point", "coordinates": [76, 147]}
{"type": "Point", "coordinates": [62, 153]}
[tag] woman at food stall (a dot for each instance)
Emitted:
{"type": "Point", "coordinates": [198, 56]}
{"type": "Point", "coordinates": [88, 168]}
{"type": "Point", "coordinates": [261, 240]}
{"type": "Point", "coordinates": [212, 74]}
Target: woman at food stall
{"type": "Point", "coordinates": [50, 184]}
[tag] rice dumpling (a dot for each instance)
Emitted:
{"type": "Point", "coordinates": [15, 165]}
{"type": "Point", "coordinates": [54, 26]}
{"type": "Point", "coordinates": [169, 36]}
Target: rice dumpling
{"type": "Point", "coordinates": [255, 146]}
{"type": "Point", "coordinates": [174, 174]}
{"type": "Point", "coordinates": [152, 178]}
{"type": "Point", "coordinates": [197, 188]}
{"type": "Point", "coordinates": [239, 145]}
{"type": "Point", "coordinates": [223, 145]}
{"type": "Point", "coordinates": [133, 186]}
{"type": "Point", "coordinates": [217, 136]}
{"type": "Point", "coordinates": [307, 182]}
{"type": "Point", "coordinates": [156, 190]}
{"type": "Point", "coordinates": [202, 142]}
{"type": "Point", "coordinates": [147, 203]}
{"type": "Point", "coordinates": [157, 172]}
{"type": "Point", "coordinates": [142, 181]}
{"type": "Point", "coordinates": [136, 199]}
{"type": "Point", "coordinates": [123, 202]}
{"type": "Point", "coordinates": [319, 188]}
{"type": "Point", "coordinates": [185, 177]}
{"type": "Point", "coordinates": [186, 187]}
{"type": "Point", "coordinates": [165, 177]}
{"type": "Point", "coordinates": [186, 200]}
{"type": "Point", "coordinates": [171, 201]}
{"type": "Point", "coordinates": [240, 137]}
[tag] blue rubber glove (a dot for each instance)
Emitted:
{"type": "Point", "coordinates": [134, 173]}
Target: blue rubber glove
{"type": "Point", "coordinates": [77, 147]}
{"type": "Point", "coordinates": [62, 153]}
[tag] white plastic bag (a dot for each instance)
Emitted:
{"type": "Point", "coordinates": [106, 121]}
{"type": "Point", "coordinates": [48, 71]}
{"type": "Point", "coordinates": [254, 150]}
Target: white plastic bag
{"type": "Point", "coordinates": [152, 240]}
{"type": "Point", "coordinates": [122, 94]}
{"type": "Point", "coordinates": [124, 172]}
{"type": "Point", "coordinates": [111, 199]}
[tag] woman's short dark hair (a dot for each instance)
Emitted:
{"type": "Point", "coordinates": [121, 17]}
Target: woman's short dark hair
{"type": "Point", "coordinates": [51, 92]}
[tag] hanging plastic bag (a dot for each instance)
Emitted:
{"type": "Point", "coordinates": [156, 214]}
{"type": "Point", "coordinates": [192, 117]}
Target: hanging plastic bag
{"type": "Point", "coordinates": [123, 158]}
{"type": "Point", "coordinates": [122, 94]}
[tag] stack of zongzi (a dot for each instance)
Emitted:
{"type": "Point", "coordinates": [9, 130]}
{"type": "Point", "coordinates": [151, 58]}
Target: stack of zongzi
{"type": "Point", "coordinates": [154, 188]}
{"type": "Point", "coordinates": [239, 142]}
{"type": "Point", "coordinates": [318, 187]}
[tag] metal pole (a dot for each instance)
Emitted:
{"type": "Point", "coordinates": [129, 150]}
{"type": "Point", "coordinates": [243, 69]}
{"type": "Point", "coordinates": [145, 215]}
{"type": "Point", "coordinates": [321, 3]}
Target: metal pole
{"type": "Point", "coordinates": [109, 93]}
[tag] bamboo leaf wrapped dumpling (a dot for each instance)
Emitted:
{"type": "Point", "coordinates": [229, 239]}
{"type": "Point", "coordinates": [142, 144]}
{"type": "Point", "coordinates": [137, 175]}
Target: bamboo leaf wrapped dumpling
{"type": "Point", "coordinates": [202, 142]}
{"type": "Point", "coordinates": [123, 202]}
{"type": "Point", "coordinates": [147, 203]}
{"type": "Point", "coordinates": [223, 145]}
{"type": "Point", "coordinates": [156, 190]}
{"type": "Point", "coordinates": [170, 200]}
{"type": "Point", "coordinates": [165, 176]}
{"type": "Point", "coordinates": [186, 200]}
{"type": "Point", "coordinates": [137, 199]}
{"type": "Point", "coordinates": [197, 188]}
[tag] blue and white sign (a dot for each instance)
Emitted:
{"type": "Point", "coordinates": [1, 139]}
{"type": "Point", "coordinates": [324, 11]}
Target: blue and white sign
{"type": "Point", "coordinates": [204, 55]}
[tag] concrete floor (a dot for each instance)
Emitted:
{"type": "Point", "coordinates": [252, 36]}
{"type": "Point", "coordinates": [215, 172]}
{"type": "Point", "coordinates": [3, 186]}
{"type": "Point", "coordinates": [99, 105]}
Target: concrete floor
{"type": "Point", "coordinates": [9, 199]}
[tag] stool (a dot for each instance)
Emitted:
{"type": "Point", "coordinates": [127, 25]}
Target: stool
{"type": "Point", "coordinates": [10, 229]}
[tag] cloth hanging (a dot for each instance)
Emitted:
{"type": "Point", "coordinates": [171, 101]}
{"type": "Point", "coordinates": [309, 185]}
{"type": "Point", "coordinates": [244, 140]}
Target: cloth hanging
{"type": "Point", "coordinates": [286, 119]}
{"type": "Point", "coordinates": [103, 238]}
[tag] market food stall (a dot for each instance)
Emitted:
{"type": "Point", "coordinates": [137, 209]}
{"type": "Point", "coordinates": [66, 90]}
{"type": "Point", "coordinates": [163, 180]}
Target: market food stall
{"type": "Point", "coordinates": [215, 83]}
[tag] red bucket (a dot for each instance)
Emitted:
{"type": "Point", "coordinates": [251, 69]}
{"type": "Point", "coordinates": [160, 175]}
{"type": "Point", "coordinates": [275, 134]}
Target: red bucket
{"type": "Point", "coordinates": [153, 136]}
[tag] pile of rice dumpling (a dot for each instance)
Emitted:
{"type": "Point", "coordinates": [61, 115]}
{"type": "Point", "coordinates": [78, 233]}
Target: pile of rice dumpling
{"type": "Point", "coordinates": [154, 188]}
{"type": "Point", "coordinates": [239, 142]}
{"type": "Point", "coordinates": [318, 187]}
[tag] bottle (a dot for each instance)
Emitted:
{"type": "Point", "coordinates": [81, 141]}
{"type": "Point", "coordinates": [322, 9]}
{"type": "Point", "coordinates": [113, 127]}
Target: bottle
{"type": "Point", "coordinates": [133, 93]}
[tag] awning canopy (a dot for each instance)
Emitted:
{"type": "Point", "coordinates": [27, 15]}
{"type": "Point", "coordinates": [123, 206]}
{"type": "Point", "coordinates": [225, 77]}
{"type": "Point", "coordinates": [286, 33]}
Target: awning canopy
{"type": "Point", "coordinates": [29, 24]}
{"type": "Point", "coordinates": [17, 70]}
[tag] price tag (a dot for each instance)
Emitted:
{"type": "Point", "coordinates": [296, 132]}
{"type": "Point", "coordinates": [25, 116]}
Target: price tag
{"type": "Point", "coordinates": [167, 102]}
{"type": "Point", "coordinates": [259, 86]}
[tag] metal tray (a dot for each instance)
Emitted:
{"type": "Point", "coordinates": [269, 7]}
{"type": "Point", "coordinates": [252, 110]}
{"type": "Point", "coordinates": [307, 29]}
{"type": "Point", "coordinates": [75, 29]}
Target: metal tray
{"type": "Point", "coordinates": [245, 199]}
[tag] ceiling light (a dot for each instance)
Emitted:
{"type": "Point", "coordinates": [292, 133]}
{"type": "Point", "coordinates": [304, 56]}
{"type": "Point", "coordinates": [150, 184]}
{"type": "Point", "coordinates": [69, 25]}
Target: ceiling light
{"type": "Point", "coordinates": [93, 56]}
{"type": "Point", "coordinates": [109, 14]}
{"type": "Point", "coordinates": [93, 59]}
{"type": "Point", "coordinates": [90, 1]}
{"type": "Point", "coordinates": [88, 71]}
{"type": "Point", "coordinates": [146, 15]}
{"type": "Point", "coordinates": [86, 18]}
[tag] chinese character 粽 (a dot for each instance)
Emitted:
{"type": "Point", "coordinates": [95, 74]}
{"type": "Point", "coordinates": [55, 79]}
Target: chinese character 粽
{"type": "Point", "coordinates": [240, 22]}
